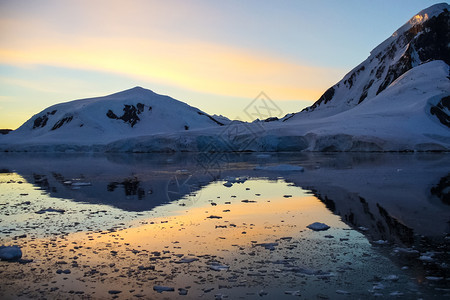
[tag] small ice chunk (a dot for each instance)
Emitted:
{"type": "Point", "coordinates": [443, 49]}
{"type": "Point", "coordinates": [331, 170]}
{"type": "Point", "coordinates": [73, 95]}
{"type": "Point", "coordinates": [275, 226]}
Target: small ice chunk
{"type": "Point", "coordinates": [280, 168]}
{"type": "Point", "coordinates": [186, 260]}
{"type": "Point", "coordinates": [268, 246]}
{"type": "Point", "coordinates": [362, 228]}
{"type": "Point", "coordinates": [262, 293]}
{"type": "Point", "coordinates": [182, 292]}
{"type": "Point", "coordinates": [317, 226]}
{"type": "Point", "coordinates": [293, 293]}
{"type": "Point", "coordinates": [406, 251]}
{"type": "Point", "coordinates": [160, 288]}
{"type": "Point", "coordinates": [380, 242]}
{"type": "Point", "coordinates": [42, 211]}
{"type": "Point", "coordinates": [81, 183]}
{"type": "Point", "coordinates": [425, 258]}
{"type": "Point", "coordinates": [434, 278]}
{"type": "Point", "coordinates": [228, 184]}
{"type": "Point", "coordinates": [214, 217]}
{"type": "Point", "coordinates": [396, 294]}
{"type": "Point", "coordinates": [342, 292]}
{"type": "Point", "coordinates": [378, 286]}
{"type": "Point", "coordinates": [391, 277]}
{"type": "Point", "coordinates": [218, 267]}
{"type": "Point", "coordinates": [10, 253]}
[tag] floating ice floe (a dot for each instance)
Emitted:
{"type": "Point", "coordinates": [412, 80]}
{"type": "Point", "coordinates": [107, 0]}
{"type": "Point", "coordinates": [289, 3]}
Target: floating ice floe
{"type": "Point", "coordinates": [317, 226]}
{"type": "Point", "coordinates": [10, 253]}
{"type": "Point", "coordinates": [186, 260]}
{"type": "Point", "coordinates": [280, 168]}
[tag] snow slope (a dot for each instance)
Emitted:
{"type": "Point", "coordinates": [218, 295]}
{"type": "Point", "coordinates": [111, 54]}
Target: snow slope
{"type": "Point", "coordinates": [399, 118]}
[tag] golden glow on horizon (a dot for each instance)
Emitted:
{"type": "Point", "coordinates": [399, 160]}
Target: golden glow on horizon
{"type": "Point", "coordinates": [200, 67]}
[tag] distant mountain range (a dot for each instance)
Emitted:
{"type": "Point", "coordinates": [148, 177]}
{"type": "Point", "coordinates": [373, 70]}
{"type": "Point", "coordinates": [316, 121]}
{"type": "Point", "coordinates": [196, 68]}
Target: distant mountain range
{"type": "Point", "coordinates": [398, 99]}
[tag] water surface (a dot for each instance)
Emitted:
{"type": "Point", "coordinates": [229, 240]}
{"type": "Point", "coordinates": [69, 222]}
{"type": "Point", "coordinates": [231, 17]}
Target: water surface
{"type": "Point", "coordinates": [214, 225]}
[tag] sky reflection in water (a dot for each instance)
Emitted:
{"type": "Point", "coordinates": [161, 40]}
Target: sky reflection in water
{"type": "Point", "coordinates": [184, 221]}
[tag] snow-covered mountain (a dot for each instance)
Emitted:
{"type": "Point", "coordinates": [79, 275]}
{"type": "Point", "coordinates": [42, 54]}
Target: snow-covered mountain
{"type": "Point", "coordinates": [424, 38]}
{"type": "Point", "coordinates": [134, 112]}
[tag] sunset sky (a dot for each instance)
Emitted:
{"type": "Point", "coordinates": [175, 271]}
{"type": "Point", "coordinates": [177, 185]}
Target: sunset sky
{"type": "Point", "coordinates": [214, 55]}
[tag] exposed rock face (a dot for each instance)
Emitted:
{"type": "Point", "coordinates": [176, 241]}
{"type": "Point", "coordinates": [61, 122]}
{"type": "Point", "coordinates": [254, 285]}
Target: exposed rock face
{"type": "Point", "coordinates": [442, 111]}
{"type": "Point", "coordinates": [62, 122]}
{"type": "Point", "coordinates": [42, 120]}
{"type": "Point", "coordinates": [130, 113]}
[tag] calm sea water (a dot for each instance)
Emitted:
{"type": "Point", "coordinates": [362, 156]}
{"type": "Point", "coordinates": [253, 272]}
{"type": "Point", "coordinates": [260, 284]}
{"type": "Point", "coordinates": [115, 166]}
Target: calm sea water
{"type": "Point", "coordinates": [217, 225]}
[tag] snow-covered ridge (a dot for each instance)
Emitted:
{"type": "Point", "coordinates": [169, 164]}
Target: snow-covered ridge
{"type": "Point", "coordinates": [425, 37]}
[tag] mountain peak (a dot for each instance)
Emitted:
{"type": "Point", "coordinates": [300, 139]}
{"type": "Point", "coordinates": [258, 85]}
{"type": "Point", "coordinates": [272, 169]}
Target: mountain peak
{"type": "Point", "coordinates": [418, 19]}
{"type": "Point", "coordinates": [424, 38]}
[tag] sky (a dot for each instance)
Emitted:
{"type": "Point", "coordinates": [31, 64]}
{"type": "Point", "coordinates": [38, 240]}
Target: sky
{"type": "Point", "coordinates": [214, 55]}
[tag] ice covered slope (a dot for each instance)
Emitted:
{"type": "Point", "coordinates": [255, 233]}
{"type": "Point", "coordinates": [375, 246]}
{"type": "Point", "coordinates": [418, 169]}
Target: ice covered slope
{"type": "Point", "coordinates": [129, 113]}
{"type": "Point", "coordinates": [425, 37]}
{"type": "Point", "coordinates": [411, 114]}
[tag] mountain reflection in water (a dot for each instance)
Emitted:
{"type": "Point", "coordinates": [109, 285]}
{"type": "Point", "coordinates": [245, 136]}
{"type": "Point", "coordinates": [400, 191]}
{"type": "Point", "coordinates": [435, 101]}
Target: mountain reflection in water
{"type": "Point", "coordinates": [391, 196]}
